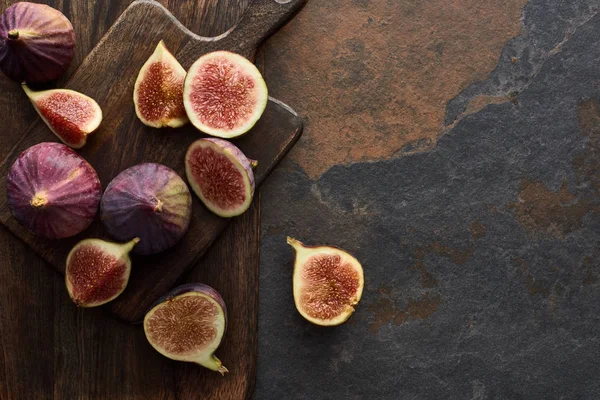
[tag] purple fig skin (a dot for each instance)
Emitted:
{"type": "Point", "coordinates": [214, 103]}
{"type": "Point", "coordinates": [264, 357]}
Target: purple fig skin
{"type": "Point", "coordinates": [239, 155]}
{"type": "Point", "coordinates": [149, 201]}
{"type": "Point", "coordinates": [53, 191]}
{"type": "Point", "coordinates": [37, 43]}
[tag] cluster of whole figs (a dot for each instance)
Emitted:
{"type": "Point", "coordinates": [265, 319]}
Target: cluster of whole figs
{"type": "Point", "coordinates": [55, 193]}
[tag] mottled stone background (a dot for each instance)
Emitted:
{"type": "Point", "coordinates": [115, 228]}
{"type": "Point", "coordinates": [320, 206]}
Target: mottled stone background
{"type": "Point", "coordinates": [453, 146]}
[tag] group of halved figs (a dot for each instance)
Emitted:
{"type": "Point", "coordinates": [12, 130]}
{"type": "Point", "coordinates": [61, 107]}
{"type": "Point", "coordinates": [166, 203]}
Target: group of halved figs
{"type": "Point", "coordinates": [56, 193]}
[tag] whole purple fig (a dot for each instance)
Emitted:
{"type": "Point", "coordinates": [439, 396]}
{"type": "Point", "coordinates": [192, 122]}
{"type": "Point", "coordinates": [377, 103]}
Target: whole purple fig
{"type": "Point", "coordinates": [37, 43]}
{"type": "Point", "coordinates": [149, 201]}
{"type": "Point", "coordinates": [53, 191]}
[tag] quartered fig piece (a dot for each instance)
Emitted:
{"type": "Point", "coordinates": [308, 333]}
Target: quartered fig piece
{"type": "Point", "coordinates": [328, 283]}
{"type": "Point", "coordinates": [70, 115]}
{"type": "Point", "coordinates": [221, 175]}
{"type": "Point", "coordinates": [188, 325]}
{"type": "Point", "coordinates": [53, 191]}
{"type": "Point", "coordinates": [37, 43]}
{"type": "Point", "coordinates": [98, 271]}
{"type": "Point", "coordinates": [224, 94]}
{"type": "Point", "coordinates": [158, 92]}
{"type": "Point", "coordinates": [149, 201]}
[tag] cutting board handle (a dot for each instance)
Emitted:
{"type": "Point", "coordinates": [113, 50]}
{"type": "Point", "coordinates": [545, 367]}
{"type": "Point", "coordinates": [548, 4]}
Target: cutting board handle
{"type": "Point", "coordinates": [260, 20]}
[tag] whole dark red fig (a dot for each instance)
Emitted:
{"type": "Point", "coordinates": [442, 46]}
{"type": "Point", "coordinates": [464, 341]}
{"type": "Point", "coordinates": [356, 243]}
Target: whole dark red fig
{"type": "Point", "coordinates": [149, 201]}
{"type": "Point", "coordinates": [221, 175]}
{"type": "Point", "coordinates": [224, 94]}
{"type": "Point", "coordinates": [53, 191]}
{"type": "Point", "coordinates": [37, 43]}
{"type": "Point", "coordinates": [188, 325]}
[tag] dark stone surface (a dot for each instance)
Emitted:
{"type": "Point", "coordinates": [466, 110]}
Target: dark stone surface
{"type": "Point", "coordinates": [480, 256]}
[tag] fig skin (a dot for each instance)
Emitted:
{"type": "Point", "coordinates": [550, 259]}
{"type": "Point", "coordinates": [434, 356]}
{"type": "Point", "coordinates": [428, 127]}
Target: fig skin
{"type": "Point", "coordinates": [345, 284]}
{"type": "Point", "coordinates": [204, 357]}
{"type": "Point", "coordinates": [102, 278]}
{"type": "Point", "coordinates": [234, 155]}
{"type": "Point", "coordinates": [224, 94]}
{"type": "Point", "coordinates": [37, 43]}
{"type": "Point", "coordinates": [149, 201]}
{"type": "Point", "coordinates": [70, 115]}
{"type": "Point", "coordinates": [158, 91]}
{"type": "Point", "coordinates": [53, 191]}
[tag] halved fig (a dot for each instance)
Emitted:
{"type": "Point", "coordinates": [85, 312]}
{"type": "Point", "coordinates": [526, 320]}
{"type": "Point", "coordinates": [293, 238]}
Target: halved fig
{"type": "Point", "coordinates": [224, 94]}
{"type": "Point", "coordinates": [158, 92]}
{"type": "Point", "coordinates": [328, 283]}
{"type": "Point", "coordinates": [149, 201]}
{"type": "Point", "coordinates": [53, 191]}
{"type": "Point", "coordinates": [37, 43]}
{"type": "Point", "coordinates": [98, 271]}
{"type": "Point", "coordinates": [70, 115]}
{"type": "Point", "coordinates": [188, 325]}
{"type": "Point", "coordinates": [221, 175]}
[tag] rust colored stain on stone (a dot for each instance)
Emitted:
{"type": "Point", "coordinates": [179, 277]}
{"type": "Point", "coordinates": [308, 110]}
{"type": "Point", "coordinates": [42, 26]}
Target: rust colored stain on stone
{"type": "Point", "coordinates": [385, 311]}
{"type": "Point", "coordinates": [586, 164]}
{"type": "Point", "coordinates": [534, 287]}
{"type": "Point", "coordinates": [373, 82]}
{"type": "Point", "coordinates": [477, 230]}
{"type": "Point", "coordinates": [540, 211]}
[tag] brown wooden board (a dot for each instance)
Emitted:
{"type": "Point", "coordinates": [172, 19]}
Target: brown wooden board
{"type": "Point", "coordinates": [108, 75]}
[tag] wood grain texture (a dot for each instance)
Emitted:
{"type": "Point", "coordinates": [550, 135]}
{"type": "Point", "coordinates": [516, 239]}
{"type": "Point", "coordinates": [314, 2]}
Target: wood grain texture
{"type": "Point", "coordinates": [108, 75]}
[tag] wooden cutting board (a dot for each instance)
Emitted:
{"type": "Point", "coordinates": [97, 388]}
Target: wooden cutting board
{"type": "Point", "coordinates": [108, 75]}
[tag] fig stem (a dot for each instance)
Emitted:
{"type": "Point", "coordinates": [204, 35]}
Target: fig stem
{"type": "Point", "coordinates": [38, 201]}
{"type": "Point", "coordinates": [13, 34]}
{"type": "Point", "coordinates": [215, 364]}
{"type": "Point", "coordinates": [296, 244]}
{"type": "Point", "coordinates": [159, 205]}
{"type": "Point", "coordinates": [253, 163]}
{"type": "Point", "coordinates": [127, 247]}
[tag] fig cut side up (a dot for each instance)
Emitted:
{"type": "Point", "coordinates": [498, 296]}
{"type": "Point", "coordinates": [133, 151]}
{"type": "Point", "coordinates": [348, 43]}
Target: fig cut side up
{"type": "Point", "coordinates": [224, 94]}
{"type": "Point", "coordinates": [98, 271]}
{"type": "Point", "coordinates": [328, 283]}
{"type": "Point", "coordinates": [53, 191]}
{"type": "Point", "coordinates": [188, 325]}
{"type": "Point", "coordinates": [70, 115]}
{"type": "Point", "coordinates": [221, 175]}
{"type": "Point", "coordinates": [158, 92]}
{"type": "Point", "coordinates": [37, 43]}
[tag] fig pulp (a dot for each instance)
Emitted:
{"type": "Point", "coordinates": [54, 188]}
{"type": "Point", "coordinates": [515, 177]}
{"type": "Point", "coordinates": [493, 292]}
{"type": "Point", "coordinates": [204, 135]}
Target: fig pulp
{"type": "Point", "coordinates": [98, 271]}
{"type": "Point", "coordinates": [37, 43]}
{"type": "Point", "coordinates": [53, 191]}
{"type": "Point", "coordinates": [158, 92]}
{"type": "Point", "coordinates": [328, 283]}
{"type": "Point", "coordinates": [224, 94]}
{"type": "Point", "coordinates": [149, 201]}
{"type": "Point", "coordinates": [188, 325]}
{"type": "Point", "coordinates": [70, 115]}
{"type": "Point", "coordinates": [221, 175]}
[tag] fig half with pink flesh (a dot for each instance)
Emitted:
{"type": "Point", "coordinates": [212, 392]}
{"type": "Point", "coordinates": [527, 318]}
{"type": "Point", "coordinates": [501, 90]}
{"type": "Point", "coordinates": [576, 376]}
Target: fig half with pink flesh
{"type": "Point", "coordinates": [37, 43]}
{"type": "Point", "coordinates": [224, 94]}
{"type": "Point", "coordinates": [53, 191]}
{"type": "Point", "coordinates": [158, 92]}
{"type": "Point", "coordinates": [149, 201]}
{"type": "Point", "coordinates": [70, 115]}
{"type": "Point", "coordinates": [221, 175]}
{"type": "Point", "coordinates": [98, 271]}
{"type": "Point", "coordinates": [188, 325]}
{"type": "Point", "coordinates": [328, 283]}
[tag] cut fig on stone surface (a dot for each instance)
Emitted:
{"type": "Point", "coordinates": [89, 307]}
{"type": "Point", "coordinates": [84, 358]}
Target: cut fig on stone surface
{"type": "Point", "coordinates": [98, 271]}
{"type": "Point", "coordinates": [149, 201]}
{"type": "Point", "coordinates": [188, 325]}
{"type": "Point", "coordinates": [53, 191]}
{"type": "Point", "coordinates": [221, 175]}
{"type": "Point", "coordinates": [158, 92]}
{"type": "Point", "coordinates": [37, 43]}
{"type": "Point", "coordinates": [328, 283]}
{"type": "Point", "coordinates": [70, 115]}
{"type": "Point", "coordinates": [224, 94]}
